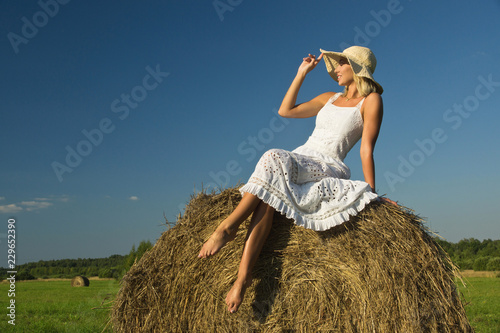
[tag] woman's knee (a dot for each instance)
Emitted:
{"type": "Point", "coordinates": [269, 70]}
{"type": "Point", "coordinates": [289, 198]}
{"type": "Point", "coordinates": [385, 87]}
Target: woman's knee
{"type": "Point", "coordinates": [264, 209]}
{"type": "Point", "coordinates": [274, 158]}
{"type": "Point", "coordinates": [273, 153]}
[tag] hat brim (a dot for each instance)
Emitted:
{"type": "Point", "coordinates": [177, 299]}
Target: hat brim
{"type": "Point", "coordinates": [332, 60]}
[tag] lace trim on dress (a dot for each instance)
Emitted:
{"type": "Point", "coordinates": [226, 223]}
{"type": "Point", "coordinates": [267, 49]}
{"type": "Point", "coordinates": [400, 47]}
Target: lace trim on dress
{"type": "Point", "coordinates": [325, 221]}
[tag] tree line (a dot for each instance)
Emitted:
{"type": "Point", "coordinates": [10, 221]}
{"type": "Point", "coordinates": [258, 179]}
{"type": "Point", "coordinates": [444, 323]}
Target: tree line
{"type": "Point", "coordinates": [466, 254]}
{"type": "Point", "coordinates": [474, 254]}
{"type": "Point", "coordinates": [114, 266]}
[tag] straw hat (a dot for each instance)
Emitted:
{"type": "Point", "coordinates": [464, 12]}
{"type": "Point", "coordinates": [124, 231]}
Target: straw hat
{"type": "Point", "coordinates": [361, 59]}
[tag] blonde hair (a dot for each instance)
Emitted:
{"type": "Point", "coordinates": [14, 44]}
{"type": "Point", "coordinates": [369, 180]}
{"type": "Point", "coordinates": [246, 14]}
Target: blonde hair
{"type": "Point", "coordinates": [365, 86]}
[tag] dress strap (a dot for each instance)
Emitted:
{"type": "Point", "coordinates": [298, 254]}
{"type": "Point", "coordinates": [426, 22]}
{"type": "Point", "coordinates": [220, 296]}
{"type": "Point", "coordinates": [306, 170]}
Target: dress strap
{"type": "Point", "coordinates": [360, 103]}
{"type": "Point", "coordinates": [334, 97]}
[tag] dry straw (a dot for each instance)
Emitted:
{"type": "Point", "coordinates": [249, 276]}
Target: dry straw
{"type": "Point", "coordinates": [80, 281]}
{"type": "Point", "coordinates": [380, 272]}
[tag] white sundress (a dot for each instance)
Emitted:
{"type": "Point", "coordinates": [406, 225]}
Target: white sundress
{"type": "Point", "coordinates": [311, 184]}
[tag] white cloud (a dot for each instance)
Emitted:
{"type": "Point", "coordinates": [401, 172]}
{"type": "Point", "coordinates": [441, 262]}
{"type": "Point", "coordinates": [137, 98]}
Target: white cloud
{"type": "Point", "coordinates": [133, 198]}
{"type": "Point", "coordinates": [62, 198]}
{"type": "Point", "coordinates": [32, 205]}
{"type": "Point", "coordinates": [35, 205]}
{"type": "Point", "coordinates": [12, 208]}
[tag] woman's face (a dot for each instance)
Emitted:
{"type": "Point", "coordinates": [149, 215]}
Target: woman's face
{"type": "Point", "coordinates": [344, 72]}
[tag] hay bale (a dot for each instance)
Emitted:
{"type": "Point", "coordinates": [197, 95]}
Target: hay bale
{"type": "Point", "coordinates": [379, 272]}
{"type": "Point", "coordinates": [80, 281]}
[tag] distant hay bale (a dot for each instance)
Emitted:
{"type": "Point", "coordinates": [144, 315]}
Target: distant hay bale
{"type": "Point", "coordinates": [80, 281]}
{"type": "Point", "coordinates": [379, 272]}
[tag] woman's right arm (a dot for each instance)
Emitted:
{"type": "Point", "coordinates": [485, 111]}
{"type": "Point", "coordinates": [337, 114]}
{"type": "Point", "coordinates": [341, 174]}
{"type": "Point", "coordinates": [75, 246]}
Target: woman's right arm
{"type": "Point", "coordinates": [288, 108]}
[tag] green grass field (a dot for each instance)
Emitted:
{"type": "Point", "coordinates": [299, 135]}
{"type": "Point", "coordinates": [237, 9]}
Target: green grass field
{"type": "Point", "coordinates": [482, 303]}
{"type": "Point", "coordinates": [55, 306]}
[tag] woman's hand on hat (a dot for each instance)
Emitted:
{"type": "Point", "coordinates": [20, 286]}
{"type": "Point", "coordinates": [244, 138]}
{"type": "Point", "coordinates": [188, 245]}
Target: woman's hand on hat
{"type": "Point", "coordinates": [309, 63]}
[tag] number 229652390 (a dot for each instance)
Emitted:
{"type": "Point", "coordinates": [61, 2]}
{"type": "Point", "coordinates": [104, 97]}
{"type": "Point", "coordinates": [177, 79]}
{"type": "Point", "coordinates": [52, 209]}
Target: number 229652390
{"type": "Point", "coordinates": [11, 243]}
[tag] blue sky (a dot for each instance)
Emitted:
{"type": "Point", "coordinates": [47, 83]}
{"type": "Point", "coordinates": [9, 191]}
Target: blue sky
{"type": "Point", "coordinates": [114, 113]}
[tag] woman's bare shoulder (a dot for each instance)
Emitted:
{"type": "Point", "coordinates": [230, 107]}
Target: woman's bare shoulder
{"type": "Point", "coordinates": [373, 98]}
{"type": "Point", "coordinates": [372, 105]}
{"type": "Point", "coordinates": [324, 97]}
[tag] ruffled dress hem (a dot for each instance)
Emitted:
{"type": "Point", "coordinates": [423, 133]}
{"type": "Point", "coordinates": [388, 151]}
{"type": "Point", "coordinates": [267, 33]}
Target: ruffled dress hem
{"type": "Point", "coordinates": [315, 224]}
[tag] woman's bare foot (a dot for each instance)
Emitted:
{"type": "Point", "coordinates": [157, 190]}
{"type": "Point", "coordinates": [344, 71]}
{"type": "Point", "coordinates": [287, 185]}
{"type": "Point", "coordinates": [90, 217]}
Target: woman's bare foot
{"type": "Point", "coordinates": [219, 238]}
{"type": "Point", "coordinates": [235, 295]}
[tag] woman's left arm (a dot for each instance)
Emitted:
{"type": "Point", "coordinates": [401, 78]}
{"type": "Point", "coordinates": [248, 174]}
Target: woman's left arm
{"type": "Point", "coordinates": [373, 110]}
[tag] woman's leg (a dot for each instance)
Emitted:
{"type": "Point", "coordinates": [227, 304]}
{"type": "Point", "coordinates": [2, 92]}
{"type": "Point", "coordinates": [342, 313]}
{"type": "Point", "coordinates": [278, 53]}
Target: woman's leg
{"type": "Point", "coordinates": [226, 231]}
{"type": "Point", "coordinates": [258, 231]}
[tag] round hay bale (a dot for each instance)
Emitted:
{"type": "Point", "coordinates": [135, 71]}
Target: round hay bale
{"type": "Point", "coordinates": [80, 281]}
{"type": "Point", "coordinates": [379, 272]}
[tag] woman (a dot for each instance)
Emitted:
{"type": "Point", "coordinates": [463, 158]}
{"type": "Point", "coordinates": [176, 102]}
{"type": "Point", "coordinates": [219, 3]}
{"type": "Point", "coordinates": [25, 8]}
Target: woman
{"type": "Point", "coordinates": [311, 184]}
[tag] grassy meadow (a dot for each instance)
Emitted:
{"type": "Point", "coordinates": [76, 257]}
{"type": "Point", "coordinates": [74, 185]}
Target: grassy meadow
{"type": "Point", "coordinates": [482, 302]}
{"type": "Point", "coordinates": [54, 306]}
